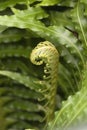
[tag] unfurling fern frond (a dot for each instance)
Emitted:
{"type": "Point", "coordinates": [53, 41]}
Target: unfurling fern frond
{"type": "Point", "coordinates": [46, 53]}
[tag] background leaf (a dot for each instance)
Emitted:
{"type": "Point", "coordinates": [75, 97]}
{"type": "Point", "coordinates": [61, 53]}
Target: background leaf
{"type": "Point", "coordinates": [49, 3]}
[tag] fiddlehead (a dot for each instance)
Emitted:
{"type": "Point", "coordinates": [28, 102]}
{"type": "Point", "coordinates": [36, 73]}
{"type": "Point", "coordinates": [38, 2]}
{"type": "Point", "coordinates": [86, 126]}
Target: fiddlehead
{"type": "Point", "coordinates": [46, 53]}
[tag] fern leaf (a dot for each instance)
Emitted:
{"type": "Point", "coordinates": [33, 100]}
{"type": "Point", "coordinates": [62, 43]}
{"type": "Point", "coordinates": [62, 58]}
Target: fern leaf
{"type": "Point", "coordinates": [13, 51]}
{"type": "Point", "coordinates": [11, 35]}
{"type": "Point", "coordinates": [49, 3]}
{"type": "Point", "coordinates": [79, 21]}
{"type": "Point", "coordinates": [10, 3]}
{"type": "Point", "coordinates": [30, 82]}
{"type": "Point", "coordinates": [18, 101]}
{"type": "Point", "coordinates": [17, 92]}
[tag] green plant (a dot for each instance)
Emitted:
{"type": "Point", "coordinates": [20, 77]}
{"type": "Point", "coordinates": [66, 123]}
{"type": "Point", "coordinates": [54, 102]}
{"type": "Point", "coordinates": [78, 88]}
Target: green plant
{"type": "Point", "coordinates": [46, 53]}
{"type": "Point", "coordinates": [23, 24]}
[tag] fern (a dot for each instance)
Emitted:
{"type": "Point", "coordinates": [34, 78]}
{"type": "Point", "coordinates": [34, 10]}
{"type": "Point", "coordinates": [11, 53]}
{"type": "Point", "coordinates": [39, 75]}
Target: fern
{"type": "Point", "coordinates": [14, 52]}
{"type": "Point", "coordinates": [46, 53]}
{"type": "Point", "coordinates": [9, 3]}
{"type": "Point", "coordinates": [25, 96]}
{"type": "Point", "coordinates": [7, 35]}
{"type": "Point", "coordinates": [56, 34]}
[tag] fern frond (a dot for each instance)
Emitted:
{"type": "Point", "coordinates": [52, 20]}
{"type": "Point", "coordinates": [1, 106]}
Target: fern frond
{"type": "Point", "coordinates": [30, 82]}
{"type": "Point", "coordinates": [45, 52]}
{"type": "Point", "coordinates": [13, 51]}
{"type": "Point", "coordinates": [79, 21]}
{"type": "Point", "coordinates": [10, 3]}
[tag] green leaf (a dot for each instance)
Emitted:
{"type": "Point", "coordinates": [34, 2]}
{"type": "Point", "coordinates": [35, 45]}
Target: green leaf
{"type": "Point", "coordinates": [53, 33]}
{"type": "Point", "coordinates": [65, 80]}
{"type": "Point", "coordinates": [17, 64]}
{"type": "Point", "coordinates": [13, 51]}
{"type": "Point", "coordinates": [79, 21]}
{"type": "Point", "coordinates": [28, 81]}
{"type": "Point", "coordinates": [24, 92]}
{"type": "Point", "coordinates": [11, 3]}
{"type": "Point", "coordinates": [2, 28]}
{"type": "Point", "coordinates": [49, 2]}
{"type": "Point", "coordinates": [31, 13]}
{"type": "Point", "coordinates": [19, 115]}
{"type": "Point", "coordinates": [3, 121]}
{"type": "Point", "coordinates": [83, 1]}
{"type": "Point", "coordinates": [11, 35]}
{"type": "Point", "coordinates": [68, 3]}
{"type": "Point", "coordinates": [17, 109]}
{"type": "Point", "coordinates": [59, 18]}
{"type": "Point", "coordinates": [23, 105]}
